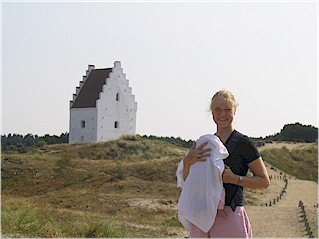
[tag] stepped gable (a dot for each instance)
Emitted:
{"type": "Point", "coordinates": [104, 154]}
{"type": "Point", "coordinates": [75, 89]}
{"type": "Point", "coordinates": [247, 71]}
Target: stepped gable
{"type": "Point", "coordinates": [91, 89]}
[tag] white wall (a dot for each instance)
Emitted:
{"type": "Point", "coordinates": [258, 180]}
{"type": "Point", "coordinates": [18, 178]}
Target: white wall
{"type": "Point", "coordinates": [79, 134]}
{"type": "Point", "coordinates": [111, 110]}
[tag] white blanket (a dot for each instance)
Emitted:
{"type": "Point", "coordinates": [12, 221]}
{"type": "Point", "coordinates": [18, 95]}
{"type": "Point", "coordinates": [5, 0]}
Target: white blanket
{"type": "Point", "coordinates": [202, 189]}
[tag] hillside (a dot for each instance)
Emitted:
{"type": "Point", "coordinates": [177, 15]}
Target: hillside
{"type": "Point", "coordinates": [85, 185]}
{"type": "Point", "coordinates": [122, 188]}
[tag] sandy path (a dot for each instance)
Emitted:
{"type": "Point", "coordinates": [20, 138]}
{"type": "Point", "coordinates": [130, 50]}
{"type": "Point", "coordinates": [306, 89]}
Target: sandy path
{"type": "Point", "coordinates": [284, 218]}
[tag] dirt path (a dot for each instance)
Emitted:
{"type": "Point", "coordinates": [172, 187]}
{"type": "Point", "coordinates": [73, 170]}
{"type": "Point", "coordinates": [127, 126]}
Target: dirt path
{"type": "Point", "coordinates": [284, 219]}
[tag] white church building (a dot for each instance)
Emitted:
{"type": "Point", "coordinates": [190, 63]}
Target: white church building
{"type": "Point", "coordinates": [103, 106]}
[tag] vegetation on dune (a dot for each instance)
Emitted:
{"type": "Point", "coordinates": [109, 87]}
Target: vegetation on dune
{"type": "Point", "coordinates": [128, 147]}
{"type": "Point", "coordinates": [35, 221]}
{"type": "Point", "coordinates": [120, 188]}
{"type": "Point", "coordinates": [97, 182]}
{"type": "Point", "coordinates": [302, 163]}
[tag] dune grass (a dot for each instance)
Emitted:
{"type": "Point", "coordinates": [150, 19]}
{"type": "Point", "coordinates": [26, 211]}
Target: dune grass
{"type": "Point", "coordinates": [32, 220]}
{"type": "Point", "coordinates": [94, 190]}
{"type": "Point", "coordinates": [302, 163]}
{"type": "Point", "coordinates": [85, 190]}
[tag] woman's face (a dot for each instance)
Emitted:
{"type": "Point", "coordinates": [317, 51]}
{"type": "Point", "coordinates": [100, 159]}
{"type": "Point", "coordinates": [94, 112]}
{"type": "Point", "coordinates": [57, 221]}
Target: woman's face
{"type": "Point", "coordinates": [223, 113]}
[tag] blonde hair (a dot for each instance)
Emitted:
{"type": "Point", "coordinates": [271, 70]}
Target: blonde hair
{"type": "Point", "coordinates": [224, 95]}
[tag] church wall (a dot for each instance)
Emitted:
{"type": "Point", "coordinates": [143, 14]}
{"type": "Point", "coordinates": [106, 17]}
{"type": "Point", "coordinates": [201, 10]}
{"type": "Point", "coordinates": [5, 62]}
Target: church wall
{"type": "Point", "coordinates": [116, 107]}
{"type": "Point", "coordinates": [83, 123]}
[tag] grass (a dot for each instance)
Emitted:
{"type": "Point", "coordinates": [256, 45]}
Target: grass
{"type": "Point", "coordinates": [127, 147]}
{"type": "Point", "coordinates": [94, 190]}
{"type": "Point", "coordinates": [34, 221]}
{"type": "Point", "coordinates": [302, 163]}
{"type": "Point", "coordinates": [74, 192]}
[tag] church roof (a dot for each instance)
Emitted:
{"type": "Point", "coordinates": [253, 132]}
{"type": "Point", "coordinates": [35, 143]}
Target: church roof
{"type": "Point", "coordinates": [91, 89]}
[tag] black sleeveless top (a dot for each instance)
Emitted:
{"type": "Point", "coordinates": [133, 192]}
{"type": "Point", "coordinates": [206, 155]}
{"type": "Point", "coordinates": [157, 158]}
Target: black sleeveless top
{"type": "Point", "coordinates": [242, 151]}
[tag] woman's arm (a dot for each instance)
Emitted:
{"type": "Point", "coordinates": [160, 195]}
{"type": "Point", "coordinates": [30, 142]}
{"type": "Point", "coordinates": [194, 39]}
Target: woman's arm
{"type": "Point", "coordinates": [258, 181]}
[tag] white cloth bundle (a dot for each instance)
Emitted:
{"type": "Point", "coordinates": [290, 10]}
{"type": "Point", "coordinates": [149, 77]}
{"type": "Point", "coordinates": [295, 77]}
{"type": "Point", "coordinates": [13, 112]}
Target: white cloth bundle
{"type": "Point", "coordinates": [203, 187]}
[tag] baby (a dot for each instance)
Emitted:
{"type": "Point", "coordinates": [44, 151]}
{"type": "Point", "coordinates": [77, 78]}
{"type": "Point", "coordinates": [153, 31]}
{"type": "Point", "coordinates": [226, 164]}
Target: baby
{"type": "Point", "coordinates": [203, 194]}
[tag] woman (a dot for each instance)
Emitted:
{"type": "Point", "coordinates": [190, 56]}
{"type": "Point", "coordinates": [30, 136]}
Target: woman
{"type": "Point", "coordinates": [243, 155]}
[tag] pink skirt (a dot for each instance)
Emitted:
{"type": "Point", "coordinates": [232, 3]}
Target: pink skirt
{"type": "Point", "coordinates": [233, 225]}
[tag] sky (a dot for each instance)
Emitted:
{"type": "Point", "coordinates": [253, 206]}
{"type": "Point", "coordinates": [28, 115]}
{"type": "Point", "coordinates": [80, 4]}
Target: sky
{"type": "Point", "coordinates": [176, 55]}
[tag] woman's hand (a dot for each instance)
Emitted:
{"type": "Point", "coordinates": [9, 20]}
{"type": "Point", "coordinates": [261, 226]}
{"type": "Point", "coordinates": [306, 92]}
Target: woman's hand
{"type": "Point", "coordinates": [258, 181]}
{"type": "Point", "coordinates": [195, 155]}
{"type": "Point", "coordinates": [229, 176]}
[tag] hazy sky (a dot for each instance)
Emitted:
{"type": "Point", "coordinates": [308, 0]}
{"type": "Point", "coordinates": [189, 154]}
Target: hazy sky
{"type": "Point", "coordinates": [175, 55]}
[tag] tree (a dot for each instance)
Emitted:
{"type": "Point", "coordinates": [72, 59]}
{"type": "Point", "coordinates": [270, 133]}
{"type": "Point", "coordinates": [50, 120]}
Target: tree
{"type": "Point", "coordinates": [297, 133]}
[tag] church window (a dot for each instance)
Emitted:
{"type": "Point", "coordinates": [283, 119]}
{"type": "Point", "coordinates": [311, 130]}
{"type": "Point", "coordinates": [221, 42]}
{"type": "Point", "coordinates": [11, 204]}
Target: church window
{"type": "Point", "coordinates": [82, 123]}
{"type": "Point", "coordinates": [118, 97]}
{"type": "Point", "coordinates": [116, 125]}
